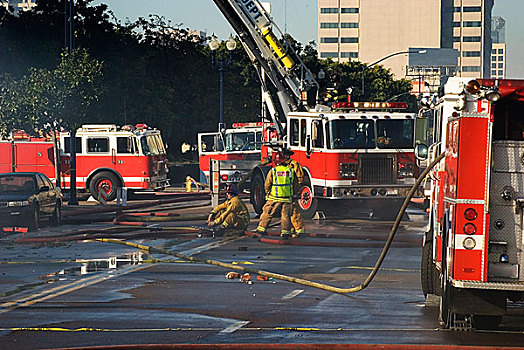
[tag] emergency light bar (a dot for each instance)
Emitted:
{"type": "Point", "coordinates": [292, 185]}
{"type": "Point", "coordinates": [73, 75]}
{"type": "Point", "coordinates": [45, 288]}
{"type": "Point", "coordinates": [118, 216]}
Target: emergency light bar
{"type": "Point", "coordinates": [369, 105]}
{"type": "Point", "coordinates": [247, 125]}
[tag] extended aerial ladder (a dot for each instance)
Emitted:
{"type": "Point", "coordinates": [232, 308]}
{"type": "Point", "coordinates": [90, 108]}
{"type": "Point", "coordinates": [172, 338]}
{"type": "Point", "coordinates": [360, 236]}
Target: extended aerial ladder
{"type": "Point", "coordinates": [293, 83]}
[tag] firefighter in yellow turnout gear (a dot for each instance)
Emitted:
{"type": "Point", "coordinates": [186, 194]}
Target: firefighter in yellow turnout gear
{"type": "Point", "coordinates": [296, 218]}
{"type": "Point", "coordinates": [281, 184]}
{"type": "Point", "coordinates": [232, 214]}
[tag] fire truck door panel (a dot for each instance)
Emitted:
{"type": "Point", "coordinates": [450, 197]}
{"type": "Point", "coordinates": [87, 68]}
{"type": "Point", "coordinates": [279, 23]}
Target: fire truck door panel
{"type": "Point", "coordinates": [506, 215]}
{"type": "Point", "coordinates": [35, 156]}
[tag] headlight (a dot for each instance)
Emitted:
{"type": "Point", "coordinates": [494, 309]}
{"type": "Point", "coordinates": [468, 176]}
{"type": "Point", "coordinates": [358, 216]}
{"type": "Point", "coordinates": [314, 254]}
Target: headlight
{"type": "Point", "coordinates": [18, 204]}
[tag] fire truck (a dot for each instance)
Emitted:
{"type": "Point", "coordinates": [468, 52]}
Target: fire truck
{"type": "Point", "coordinates": [237, 149]}
{"type": "Point", "coordinates": [473, 254]}
{"type": "Point", "coordinates": [361, 153]}
{"type": "Point", "coordinates": [107, 157]}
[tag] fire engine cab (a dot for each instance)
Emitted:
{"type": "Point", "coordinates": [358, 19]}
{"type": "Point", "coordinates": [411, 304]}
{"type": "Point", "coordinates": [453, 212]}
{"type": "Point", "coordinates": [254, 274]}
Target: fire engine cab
{"type": "Point", "coordinates": [237, 149]}
{"type": "Point", "coordinates": [358, 151]}
{"type": "Point", "coordinates": [473, 254]}
{"type": "Point", "coordinates": [107, 157]}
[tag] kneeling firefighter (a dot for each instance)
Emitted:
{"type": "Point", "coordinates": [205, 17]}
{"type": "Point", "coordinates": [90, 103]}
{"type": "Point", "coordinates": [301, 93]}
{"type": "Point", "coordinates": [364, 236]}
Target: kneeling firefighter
{"type": "Point", "coordinates": [232, 214]}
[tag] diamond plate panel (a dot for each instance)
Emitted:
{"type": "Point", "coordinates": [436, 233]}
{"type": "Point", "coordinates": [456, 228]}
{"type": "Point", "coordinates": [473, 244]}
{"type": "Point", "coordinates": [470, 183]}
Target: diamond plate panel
{"type": "Point", "coordinates": [507, 172]}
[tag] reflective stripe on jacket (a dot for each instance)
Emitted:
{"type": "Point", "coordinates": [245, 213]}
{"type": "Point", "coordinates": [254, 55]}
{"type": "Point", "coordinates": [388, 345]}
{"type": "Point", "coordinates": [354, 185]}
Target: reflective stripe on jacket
{"type": "Point", "coordinates": [282, 184]}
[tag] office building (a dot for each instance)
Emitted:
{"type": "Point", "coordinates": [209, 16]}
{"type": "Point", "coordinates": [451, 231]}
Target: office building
{"type": "Point", "coordinates": [368, 30]}
{"type": "Point", "coordinates": [498, 49]}
{"type": "Point", "coordinates": [18, 5]}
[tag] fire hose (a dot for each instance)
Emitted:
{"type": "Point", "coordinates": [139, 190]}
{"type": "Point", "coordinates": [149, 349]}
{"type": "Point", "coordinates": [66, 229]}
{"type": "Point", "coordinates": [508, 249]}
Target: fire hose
{"type": "Point", "coordinates": [301, 281]}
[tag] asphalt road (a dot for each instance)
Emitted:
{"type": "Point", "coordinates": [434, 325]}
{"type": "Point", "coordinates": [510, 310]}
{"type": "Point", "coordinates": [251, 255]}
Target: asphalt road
{"type": "Point", "coordinates": [75, 292]}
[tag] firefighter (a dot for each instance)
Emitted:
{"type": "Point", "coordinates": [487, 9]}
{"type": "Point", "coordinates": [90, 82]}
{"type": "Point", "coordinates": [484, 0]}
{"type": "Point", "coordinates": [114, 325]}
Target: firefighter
{"type": "Point", "coordinates": [281, 183]}
{"type": "Point", "coordinates": [296, 218]}
{"type": "Point", "coordinates": [232, 214]}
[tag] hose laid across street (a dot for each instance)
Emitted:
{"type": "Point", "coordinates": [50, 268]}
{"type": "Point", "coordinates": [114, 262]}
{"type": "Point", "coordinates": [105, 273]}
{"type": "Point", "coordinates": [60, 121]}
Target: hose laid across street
{"type": "Point", "coordinates": [301, 281]}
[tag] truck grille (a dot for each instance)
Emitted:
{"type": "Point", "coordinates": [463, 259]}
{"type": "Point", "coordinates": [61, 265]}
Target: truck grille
{"type": "Point", "coordinates": [376, 169]}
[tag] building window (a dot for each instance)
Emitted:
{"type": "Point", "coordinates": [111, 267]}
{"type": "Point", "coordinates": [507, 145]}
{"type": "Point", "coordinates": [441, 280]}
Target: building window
{"type": "Point", "coordinates": [501, 72]}
{"type": "Point", "coordinates": [493, 58]}
{"type": "Point", "coordinates": [456, 39]}
{"type": "Point", "coordinates": [493, 65]}
{"type": "Point", "coordinates": [472, 39]}
{"type": "Point", "coordinates": [472, 9]}
{"type": "Point", "coordinates": [456, 24]}
{"type": "Point", "coordinates": [501, 58]}
{"type": "Point", "coordinates": [349, 10]}
{"type": "Point", "coordinates": [470, 53]}
{"type": "Point", "coordinates": [349, 54]}
{"type": "Point", "coordinates": [328, 25]}
{"type": "Point", "coordinates": [349, 40]}
{"type": "Point", "coordinates": [329, 40]}
{"type": "Point", "coordinates": [329, 10]}
{"type": "Point", "coordinates": [501, 51]}
{"type": "Point", "coordinates": [471, 69]}
{"type": "Point", "coordinates": [329, 55]}
{"type": "Point", "coordinates": [472, 24]}
{"type": "Point", "coordinates": [493, 51]}
{"type": "Point", "coordinates": [501, 65]}
{"type": "Point", "coordinates": [493, 72]}
{"type": "Point", "coordinates": [348, 25]}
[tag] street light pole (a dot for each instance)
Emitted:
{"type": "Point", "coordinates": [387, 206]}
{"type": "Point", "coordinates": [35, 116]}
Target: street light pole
{"type": "Point", "coordinates": [385, 58]}
{"type": "Point", "coordinates": [221, 64]}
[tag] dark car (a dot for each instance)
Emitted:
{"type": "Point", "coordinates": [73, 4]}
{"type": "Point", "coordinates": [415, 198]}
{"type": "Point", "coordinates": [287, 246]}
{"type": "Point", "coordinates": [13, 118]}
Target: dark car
{"type": "Point", "coordinates": [27, 197]}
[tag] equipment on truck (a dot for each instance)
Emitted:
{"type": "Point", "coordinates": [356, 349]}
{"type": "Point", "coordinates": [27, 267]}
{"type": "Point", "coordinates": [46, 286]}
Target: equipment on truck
{"type": "Point", "coordinates": [107, 157]}
{"type": "Point", "coordinates": [472, 253]}
{"type": "Point", "coordinates": [360, 151]}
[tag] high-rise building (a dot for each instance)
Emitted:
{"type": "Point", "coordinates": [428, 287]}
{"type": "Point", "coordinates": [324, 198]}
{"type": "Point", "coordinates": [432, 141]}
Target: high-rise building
{"type": "Point", "coordinates": [498, 49]}
{"type": "Point", "coordinates": [369, 30]}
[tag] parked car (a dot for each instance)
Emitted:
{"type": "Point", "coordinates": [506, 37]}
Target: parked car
{"type": "Point", "coordinates": [25, 198]}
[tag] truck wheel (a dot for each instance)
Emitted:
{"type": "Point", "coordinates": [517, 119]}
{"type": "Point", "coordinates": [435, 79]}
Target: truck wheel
{"type": "Point", "coordinates": [35, 218]}
{"type": "Point", "coordinates": [307, 204]}
{"type": "Point", "coordinates": [426, 268]}
{"type": "Point", "coordinates": [105, 180]}
{"type": "Point", "coordinates": [56, 219]}
{"type": "Point", "coordinates": [258, 193]}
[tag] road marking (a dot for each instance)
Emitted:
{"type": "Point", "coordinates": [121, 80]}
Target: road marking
{"type": "Point", "coordinates": [292, 294]}
{"type": "Point", "coordinates": [233, 327]}
{"type": "Point", "coordinates": [335, 269]}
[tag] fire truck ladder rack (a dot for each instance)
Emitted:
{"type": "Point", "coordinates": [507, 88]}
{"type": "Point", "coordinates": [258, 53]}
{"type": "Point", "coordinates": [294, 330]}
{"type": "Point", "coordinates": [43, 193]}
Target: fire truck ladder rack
{"type": "Point", "coordinates": [290, 77]}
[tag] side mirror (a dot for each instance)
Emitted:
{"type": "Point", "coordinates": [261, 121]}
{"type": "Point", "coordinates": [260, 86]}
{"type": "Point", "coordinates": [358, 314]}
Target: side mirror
{"type": "Point", "coordinates": [44, 188]}
{"type": "Point", "coordinates": [308, 147]}
{"type": "Point", "coordinates": [421, 152]}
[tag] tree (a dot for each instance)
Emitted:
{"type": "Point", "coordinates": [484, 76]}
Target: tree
{"type": "Point", "coordinates": [44, 97]}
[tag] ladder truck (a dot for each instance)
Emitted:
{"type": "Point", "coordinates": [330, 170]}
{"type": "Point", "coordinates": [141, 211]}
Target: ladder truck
{"type": "Point", "coordinates": [473, 254]}
{"type": "Point", "coordinates": [350, 152]}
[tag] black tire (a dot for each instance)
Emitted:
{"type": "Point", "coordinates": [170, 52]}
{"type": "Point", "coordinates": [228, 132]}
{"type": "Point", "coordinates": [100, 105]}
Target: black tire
{"type": "Point", "coordinates": [35, 218]}
{"type": "Point", "coordinates": [258, 193]}
{"type": "Point", "coordinates": [307, 203]}
{"type": "Point", "coordinates": [448, 291]}
{"type": "Point", "coordinates": [107, 180]}
{"type": "Point", "coordinates": [56, 218]}
{"type": "Point", "coordinates": [426, 268]}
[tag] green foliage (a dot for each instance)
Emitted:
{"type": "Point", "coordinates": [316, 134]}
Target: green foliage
{"type": "Point", "coordinates": [42, 97]}
{"type": "Point", "coordinates": [154, 72]}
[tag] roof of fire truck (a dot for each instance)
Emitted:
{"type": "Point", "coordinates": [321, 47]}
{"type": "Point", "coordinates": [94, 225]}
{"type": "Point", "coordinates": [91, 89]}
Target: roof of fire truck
{"type": "Point", "coordinates": [507, 88]}
{"type": "Point", "coordinates": [138, 129]}
{"type": "Point", "coordinates": [361, 110]}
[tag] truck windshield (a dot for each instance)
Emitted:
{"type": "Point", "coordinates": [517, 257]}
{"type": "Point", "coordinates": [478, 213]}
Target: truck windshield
{"type": "Point", "coordinates": [347, 133]}
{"type": "Point", "coordinates": [243, 141]}
{"type": "Point", "coordinates": [152, 145]}
{"type": "Point", "coordinates": [395, 133]}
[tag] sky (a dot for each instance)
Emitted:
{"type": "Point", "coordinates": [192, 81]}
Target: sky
{"type": "Point", "coordinates": [299, 18]}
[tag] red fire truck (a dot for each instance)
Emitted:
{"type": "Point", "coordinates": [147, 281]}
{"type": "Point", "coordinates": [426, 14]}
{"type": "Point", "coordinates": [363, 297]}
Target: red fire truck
{"type": "Point", "coordinates": [106, 156]}
{"type": "Point", "coordinates": [237, 149]}
{"type": "Point", "coordinates": [473, 253]}
{"type": "Point", "coordinates": [363, 152]}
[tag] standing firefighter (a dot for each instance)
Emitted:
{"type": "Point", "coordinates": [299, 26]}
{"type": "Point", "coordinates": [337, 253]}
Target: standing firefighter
{"type": "Point", "coordinates": [281, 184]}
{"type": "Point", "coordinates": [296, 218]}
{"type": "Point", "coordinates": [232, 214]}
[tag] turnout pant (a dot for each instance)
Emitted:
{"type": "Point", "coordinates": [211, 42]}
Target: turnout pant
{"type": "Point", "coordinates": [270, 209]}
{"type": "Point", "coordinates": [296, 219]}
{"type": "Point", "coordinates": [234, 221]}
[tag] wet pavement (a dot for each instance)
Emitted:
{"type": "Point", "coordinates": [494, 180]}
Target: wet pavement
{"type": "Point", "coordinates": [71, 293]}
